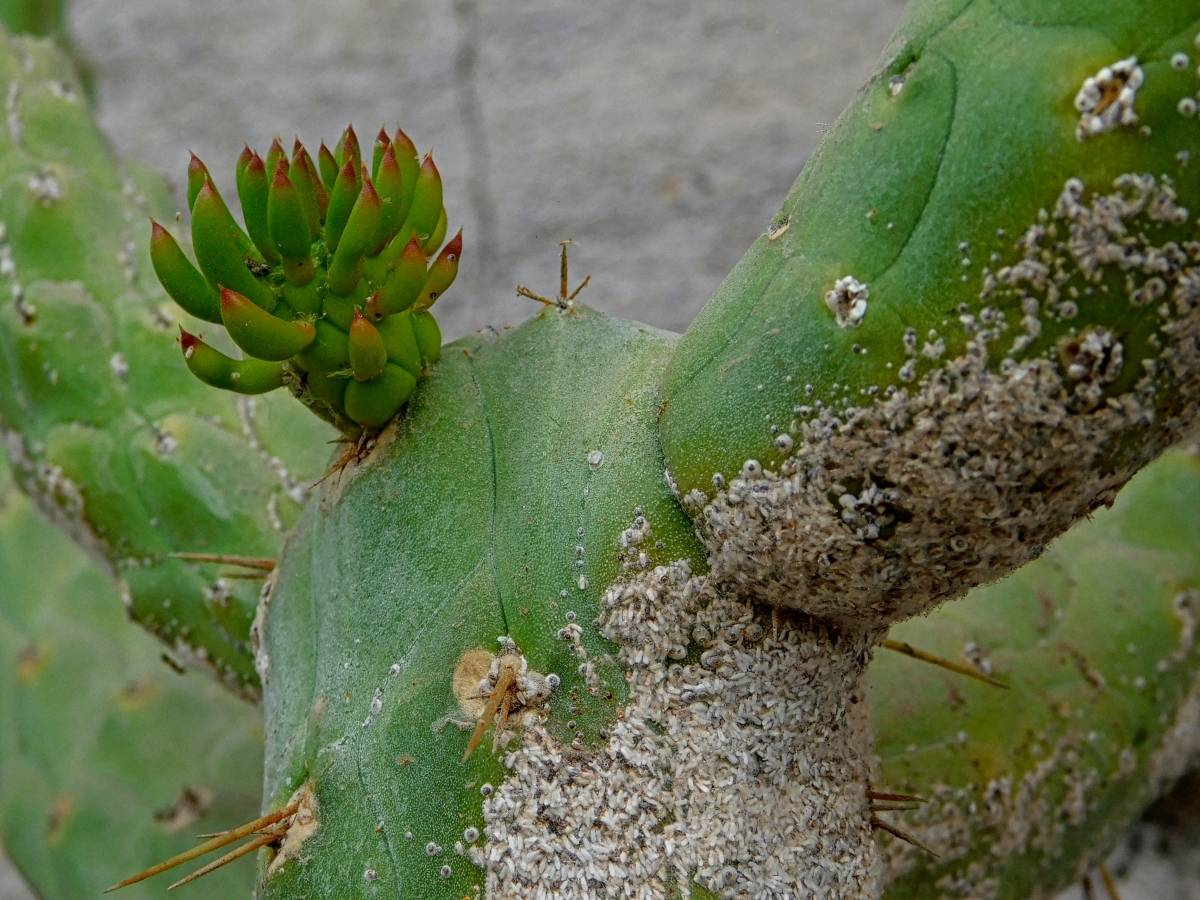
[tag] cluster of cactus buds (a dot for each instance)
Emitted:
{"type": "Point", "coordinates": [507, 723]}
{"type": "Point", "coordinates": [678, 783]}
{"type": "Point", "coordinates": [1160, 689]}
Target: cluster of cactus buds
{"type": "Point", "coordinates": [328, 288]}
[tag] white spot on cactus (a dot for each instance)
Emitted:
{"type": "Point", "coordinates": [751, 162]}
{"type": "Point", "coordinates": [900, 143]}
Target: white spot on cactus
{"type": "Point", "coordinates": [119, 366]}
{"type": "Point", "coordinates": [371, 875]}
{"type": "Point", "coordinates": [12, 106]}
{"type": "Point", "coordinates": [1105, 102]}
{"type": "Point", "coordinates": [1180, 61]}
{"type": "Point", "coordinates": [595, 459]}
{"type": "Point", "coordinates": [63, 91]}
{"type": "Point", "coordinates": [848, 301]}
{"type": "Point", "coordinates": [46, 187]}
{"type": "Point", "coordinates": [1187, 107]}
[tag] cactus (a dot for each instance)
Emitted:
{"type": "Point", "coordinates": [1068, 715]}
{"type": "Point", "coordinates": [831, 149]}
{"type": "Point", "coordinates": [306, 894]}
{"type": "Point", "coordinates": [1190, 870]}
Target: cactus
{"type": "Point", "coordinates": [958, 362]}
{"type": "Point", "coordinates": [108, 759]}
{"type": "Point", "coordinates": [500, 651]}
{"type": "Point", "coordinates": [330, 291]}
{"type": "Point", "coordinates": [115, 440]}
{"type": "Point", "coordinates": [1096, 639]}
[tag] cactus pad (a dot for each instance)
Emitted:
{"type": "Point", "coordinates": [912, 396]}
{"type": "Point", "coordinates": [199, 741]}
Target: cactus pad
{"type": "Point", "coordinates": [108, 759]}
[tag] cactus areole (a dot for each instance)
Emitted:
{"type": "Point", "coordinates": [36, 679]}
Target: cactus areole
{"type": "Point", "coordinates": [327, 289]}
{"type": "Point", "coordinates": [592, 616]}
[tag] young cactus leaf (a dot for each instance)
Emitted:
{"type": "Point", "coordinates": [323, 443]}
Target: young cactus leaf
{"type": "Point", "coordinates": [217, 253]}
{"type": "Point", "coordinates": [214, 368]}
{"type": "Point", "coordinates": [429, 337]}
{"type": "Point", "coordinates": [349, 149]}
{"type": "Point", "coordinates": [261, 334]}
{"type": "Point", "coordinates": [329, 352]}
{"type": "Point", "coordinates": [400, 342]}
{"type": "Point", "coordinates": [346, 268]}
{"type": "Point", "coordinates": [329, 166]}
{"type": "Point", "coordinates": [404, 283]}
{"type": "Point", "coordinates": [322, 195]}
{"type": "Point", "coordinates": [240, 168]}
{"type": "Point", "coordinates": [182, 282]}
{"type": "Point", "coordinates": [903, 349]}
{"type": "Point", "coordinates": [274, 155]}
{"type": "Point", "coordinates": [197, 174]}
{"type": "Point", "coordinates": [306, 181]}
{"type": "Point", "coordinates": [427, 201]}
{"type": "Point", "coordinates": [439, 234]}
{"type": "Point", "coordinates": [253, 193]}
{"type": "Point", "coordinates": [390, 187]}
{"type": "Point", "coordinates": [367, 352]}
{"type": "Point", "coordinates": [410, 167]}
{"type": "Point", "coordinates": [373, 403]}
{"type": "Point", "coordinates": [289, 227]}
{"type": "Point", "coordinates": [197, 178]}
{"type": "Point", "coordinates": [441, 274]}
{"type": "Point", "coordinates": [382, 143]}
{"type": "Point", "coordinates": [342, 198]}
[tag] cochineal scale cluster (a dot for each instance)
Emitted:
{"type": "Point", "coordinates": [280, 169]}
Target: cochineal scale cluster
{"type": "Point", "coordinates": [327, 289]}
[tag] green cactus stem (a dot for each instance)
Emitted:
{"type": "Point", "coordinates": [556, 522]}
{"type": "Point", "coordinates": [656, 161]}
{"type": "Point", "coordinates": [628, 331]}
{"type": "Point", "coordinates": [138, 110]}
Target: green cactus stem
{"type": "Point", "coordinates": [973, 319]}
{"type": "Point", "coordinates": [326, 243]}
{"type": "Point", "coordinates": [380, 656]}
{"type": "Point", "coordinates": [1027, 788]}
{"type": "Point", "coordinates": [105, 427]}
{"type": "Point", "coordinates": [108, 759]}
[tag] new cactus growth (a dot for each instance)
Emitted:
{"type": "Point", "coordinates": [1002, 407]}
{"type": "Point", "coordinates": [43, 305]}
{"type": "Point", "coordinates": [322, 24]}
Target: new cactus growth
{"type": "Point", "coordinates": [590, 611]}
{"type": "Point", "coordinates": [329, 287]}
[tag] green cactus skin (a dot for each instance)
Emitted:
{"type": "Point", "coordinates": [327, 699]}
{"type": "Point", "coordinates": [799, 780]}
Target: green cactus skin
{"type": "Point", "coordinates": [1096, 639]}
{"type": "Point", "coordinates": [323, 246]}
{"type": "Point", "coordinates": [368, 600]}
{"type": "Point", "coordinates": [36, 17]}
{"type": "Point", "coordinates": [99, 736]}
{"type": "Point", "coordinates": [994, 385]}
{"type": "Point", "coordinates": [107, 430]}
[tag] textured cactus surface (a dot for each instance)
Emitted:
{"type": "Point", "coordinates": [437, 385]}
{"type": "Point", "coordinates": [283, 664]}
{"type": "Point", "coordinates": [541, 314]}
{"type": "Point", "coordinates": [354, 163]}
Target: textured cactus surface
{"type": "Point", "coordinates": [972, 320]}
{"type": "Point", "coordinates": [105, 426]}
{"type": "Point", "coordinates": [526, 456]}
{"type": "Point", "coordinates": [372, 637]}
{"type": "Point", "coordinates": [1026, 788]}
{"type": "Point", "coordinates": [108, 759]}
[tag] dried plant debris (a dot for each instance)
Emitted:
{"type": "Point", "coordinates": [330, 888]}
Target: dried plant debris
{"type": "Point", "coordinates": [744, 771]}
{"type": "Point", "coordinates": [884, 511]}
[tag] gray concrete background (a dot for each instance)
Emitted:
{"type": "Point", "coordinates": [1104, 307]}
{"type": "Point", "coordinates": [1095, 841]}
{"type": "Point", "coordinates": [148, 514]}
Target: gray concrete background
{"type": "Point", "coordinates": [661, 135]}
